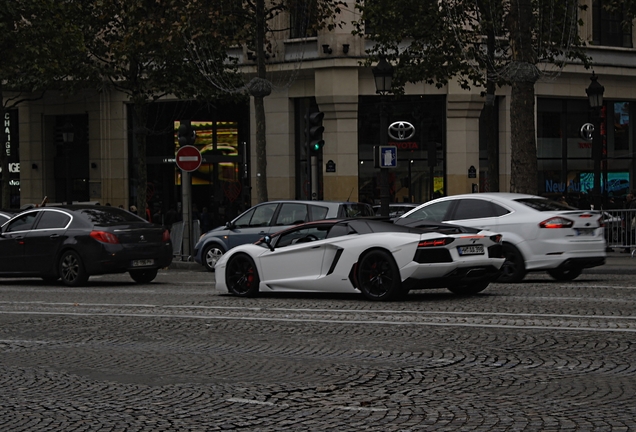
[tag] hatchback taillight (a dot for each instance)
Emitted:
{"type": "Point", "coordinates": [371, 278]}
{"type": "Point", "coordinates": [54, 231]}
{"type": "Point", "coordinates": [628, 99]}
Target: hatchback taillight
{"type": "Point", "coordinates": [165, 237]}
{"type": "Point", "coordinates": [556, 222]}
{"type": "Point", "coordinates": [104, 237]}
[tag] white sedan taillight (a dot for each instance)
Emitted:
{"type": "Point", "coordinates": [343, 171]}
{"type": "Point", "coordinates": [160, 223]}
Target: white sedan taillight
{"type": "Point", "coordinates": [556, 222]}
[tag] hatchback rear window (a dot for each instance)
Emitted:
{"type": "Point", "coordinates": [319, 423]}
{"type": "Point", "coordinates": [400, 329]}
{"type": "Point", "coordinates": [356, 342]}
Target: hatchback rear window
{"type": "Point", "coordinates": [541, 204]}
{"type": "Point", "coordinates": [109, 216]}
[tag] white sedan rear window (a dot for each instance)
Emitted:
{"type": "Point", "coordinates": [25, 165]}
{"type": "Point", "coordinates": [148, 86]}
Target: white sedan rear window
{"type": "Point", "coordinates": [540, 204]}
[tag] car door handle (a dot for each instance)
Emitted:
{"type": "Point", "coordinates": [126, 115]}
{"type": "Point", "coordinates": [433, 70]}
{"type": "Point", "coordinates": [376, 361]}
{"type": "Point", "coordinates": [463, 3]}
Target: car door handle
{"type": "Point", "coordinates": [54, 236]}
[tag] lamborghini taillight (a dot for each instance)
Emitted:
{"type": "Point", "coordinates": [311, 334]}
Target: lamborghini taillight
{"type": "Point", "coordinates": [435, 242]}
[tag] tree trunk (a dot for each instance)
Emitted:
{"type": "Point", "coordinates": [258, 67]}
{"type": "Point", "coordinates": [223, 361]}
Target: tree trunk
{"type": "Point", "coordinates": [490, 121]}
{"type": "Point", "coordinates": [523, 150]}
{"type": "Point", "coordinates": [259, 92]}
{"type": "Point", "coordinates": [261, 149]}
{"type": "Point", "coordinates": [140, 116]}
{"type": "Point", "coordinates": [524, 74]}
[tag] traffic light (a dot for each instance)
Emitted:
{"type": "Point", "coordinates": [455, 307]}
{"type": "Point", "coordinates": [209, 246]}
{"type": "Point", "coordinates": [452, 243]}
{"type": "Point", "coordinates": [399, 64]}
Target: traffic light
{"type": "Point", "coordinates": [314, 130]}
{"type": "Point", "coordinates": [186, 134]}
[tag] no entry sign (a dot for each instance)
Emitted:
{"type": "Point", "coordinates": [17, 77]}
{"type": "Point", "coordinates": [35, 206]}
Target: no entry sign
{"type": "Point", "coordinates": [189, 158]}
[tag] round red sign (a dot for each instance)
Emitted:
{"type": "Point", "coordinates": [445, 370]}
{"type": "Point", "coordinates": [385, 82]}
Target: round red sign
{"type": "Point", "coordinates": [189, 158]}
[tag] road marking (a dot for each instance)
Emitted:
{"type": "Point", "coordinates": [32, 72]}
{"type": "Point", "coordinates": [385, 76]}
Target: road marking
{"type": "Point", "coordinates": [360, 408]}
{"type": "Point", "coordinates": [254, 402]}
{"type": "Point", "coordinates": [331, 311]}
{"type": "Point", "coordinates": [257, 402]}
{"type": "Point", "coordinates": [326, 321]}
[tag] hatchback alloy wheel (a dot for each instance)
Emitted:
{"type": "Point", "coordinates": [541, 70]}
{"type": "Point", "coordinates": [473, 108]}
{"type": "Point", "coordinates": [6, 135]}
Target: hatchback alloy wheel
{"type": "Point", "coordinates": [71, 269]}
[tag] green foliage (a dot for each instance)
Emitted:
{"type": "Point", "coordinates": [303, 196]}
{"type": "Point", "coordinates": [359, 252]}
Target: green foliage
{"type": "Point", "coordinates": [460, 39]}
{"type": "Point", "coordinates": [625, 9]}
{"type": "Point", "coordinates": [40, 47]}
{"type": "Point", "coordinates": [138, 46]}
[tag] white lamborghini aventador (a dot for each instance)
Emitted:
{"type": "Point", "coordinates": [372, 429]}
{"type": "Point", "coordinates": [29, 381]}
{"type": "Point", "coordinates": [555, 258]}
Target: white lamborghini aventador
{"type": "Point", "coordinates": [373, 256]}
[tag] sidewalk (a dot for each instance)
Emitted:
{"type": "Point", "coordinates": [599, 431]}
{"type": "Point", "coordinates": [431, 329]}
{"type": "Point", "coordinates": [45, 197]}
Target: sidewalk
{"type": "Point", "coordinates": [616, 262]}
{"type": "Point", "coordinates": [186, 265]}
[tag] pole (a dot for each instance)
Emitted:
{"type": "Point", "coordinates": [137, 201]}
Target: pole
{"type": "Point", "coordinates": [69, 180]}
{"type": "Point", "coordinates": [314, 177]}
{"type": "Point", "coordinates": [187, 217]}
{"type": "Point", "coordinates": [384, 172]}
{"type": "Point", "coordinates": [597, 155]}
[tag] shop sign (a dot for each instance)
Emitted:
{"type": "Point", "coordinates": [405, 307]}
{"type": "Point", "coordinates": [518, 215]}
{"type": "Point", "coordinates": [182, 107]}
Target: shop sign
{"type": "Point", "coordinates": [587, 131]}
{"type": "Point", "coordinates": [401, 131]}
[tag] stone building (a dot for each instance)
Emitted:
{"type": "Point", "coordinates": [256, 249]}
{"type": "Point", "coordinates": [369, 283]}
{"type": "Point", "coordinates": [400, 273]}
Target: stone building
{"type": "Point", "coordinates": [323, 73]}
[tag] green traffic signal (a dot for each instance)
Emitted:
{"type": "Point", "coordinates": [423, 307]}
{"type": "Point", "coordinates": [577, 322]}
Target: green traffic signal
{"type": "Point", "coordinates": [317, 145]}
{"type": "Point", "coordinates": [314, 130]}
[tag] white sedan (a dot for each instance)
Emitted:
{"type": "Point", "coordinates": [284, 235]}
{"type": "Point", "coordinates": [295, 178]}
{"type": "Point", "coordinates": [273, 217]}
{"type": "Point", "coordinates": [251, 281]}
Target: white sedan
{"type": "Point", "coordinates": [539, 234]}
{"type": "Point", "coordinates": [373, 256]}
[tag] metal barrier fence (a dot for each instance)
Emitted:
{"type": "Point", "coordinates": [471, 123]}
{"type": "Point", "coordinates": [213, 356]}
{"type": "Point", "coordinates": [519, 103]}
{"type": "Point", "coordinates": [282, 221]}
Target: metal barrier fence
{"type": "Point", "coordinates": [620, 229]}
{"type": "Point", "coordinates": [176, 235]}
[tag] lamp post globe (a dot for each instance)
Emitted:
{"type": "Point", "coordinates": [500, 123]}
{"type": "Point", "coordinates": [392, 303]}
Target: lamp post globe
{"type": "Point", "coordinates": [595, 92]}
{"type": "Point", "coordinates": [383, 75]}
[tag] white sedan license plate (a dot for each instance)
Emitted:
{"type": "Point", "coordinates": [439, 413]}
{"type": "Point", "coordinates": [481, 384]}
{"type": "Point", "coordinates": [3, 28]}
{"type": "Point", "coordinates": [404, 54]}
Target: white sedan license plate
{"type": "Point", "coordinates": [585, 231]}
{"type": "Point", "coordinates": [143, 263]}
{"type": "Point", "coordinates": [471, 250]}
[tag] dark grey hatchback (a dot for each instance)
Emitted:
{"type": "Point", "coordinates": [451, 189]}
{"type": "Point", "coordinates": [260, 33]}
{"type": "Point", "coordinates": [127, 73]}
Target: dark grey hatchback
{"type": "Point", "coordinates": [269, 218]}
{"type": "Point", "coordinates": [74, 242]}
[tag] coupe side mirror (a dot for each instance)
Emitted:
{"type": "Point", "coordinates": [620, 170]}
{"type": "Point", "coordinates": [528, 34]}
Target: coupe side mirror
{"type": "Point", "coordinates": [268, 242]}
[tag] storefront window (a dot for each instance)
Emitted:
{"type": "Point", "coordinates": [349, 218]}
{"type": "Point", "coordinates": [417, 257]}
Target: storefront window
{"type": "Point", "coordinates": [564, 155]}
{"type": "Point", "coordinates": [219, 185]}
{"type": "Point", "coordinates": [416, 177]}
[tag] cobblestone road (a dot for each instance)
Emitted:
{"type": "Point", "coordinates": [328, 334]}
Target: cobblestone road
{"type": "Point", "coordinates": [176, 355]}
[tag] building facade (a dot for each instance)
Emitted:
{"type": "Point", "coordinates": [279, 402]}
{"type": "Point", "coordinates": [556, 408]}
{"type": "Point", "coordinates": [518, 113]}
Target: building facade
{"type": "Point", "coordinates": [437, 132]}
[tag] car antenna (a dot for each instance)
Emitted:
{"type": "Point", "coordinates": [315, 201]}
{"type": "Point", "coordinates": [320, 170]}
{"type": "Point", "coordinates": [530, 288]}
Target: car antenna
{"type": "Point", "coordinates": [349, 197]}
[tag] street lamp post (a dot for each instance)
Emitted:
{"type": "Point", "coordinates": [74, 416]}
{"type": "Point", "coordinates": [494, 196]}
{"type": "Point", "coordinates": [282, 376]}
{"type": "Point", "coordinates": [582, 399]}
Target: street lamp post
{"type": "Point", "coordinates": [383, 75]}
{"type": "Point", "coordinates": [595, 95]}
{"type": "Point", "coordinates": [68, 133]}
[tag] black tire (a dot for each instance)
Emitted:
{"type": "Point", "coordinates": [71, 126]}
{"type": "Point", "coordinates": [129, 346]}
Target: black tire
{"type": "Point", "coordinates": [469, 289]}
{"type": "Point", "coordinates": [241, 276]}
{"type": "Point", "coordinates": [211, 254]}
{"type": "Point", "coordinates": [565, 274]}
{"type": "Point", "coordinates": [71, 269]}
{"type": "Point", "coordinates": [378, 276]}
{"type": "Point", "coordinates": [514, 268]}
{"type": "Point", "coordinates": [143, 276]}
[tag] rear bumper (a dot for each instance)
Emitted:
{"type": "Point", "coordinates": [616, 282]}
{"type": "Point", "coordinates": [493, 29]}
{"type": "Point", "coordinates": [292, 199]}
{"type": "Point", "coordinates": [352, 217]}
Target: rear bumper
{"type": "Point", "coordinates": [462, 275]}
{"type": "Point", "coordinates": [115, 259]}
{"type": "Point", "coordinates": [582, 263]}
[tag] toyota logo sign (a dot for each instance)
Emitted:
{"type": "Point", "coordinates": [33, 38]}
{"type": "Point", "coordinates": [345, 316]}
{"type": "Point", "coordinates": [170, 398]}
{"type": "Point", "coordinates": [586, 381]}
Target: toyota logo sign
{"type": "Point", "coordinates": [401, 131]}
